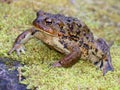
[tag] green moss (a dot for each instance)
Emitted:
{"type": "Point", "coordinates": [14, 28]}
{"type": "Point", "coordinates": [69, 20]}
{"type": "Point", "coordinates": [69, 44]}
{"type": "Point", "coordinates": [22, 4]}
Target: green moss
{"type": "Point", "coordinates": [18, 16]}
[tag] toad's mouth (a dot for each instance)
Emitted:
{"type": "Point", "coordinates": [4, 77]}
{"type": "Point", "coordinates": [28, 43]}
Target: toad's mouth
{"type": "Point", "coordinates": [46, 30]}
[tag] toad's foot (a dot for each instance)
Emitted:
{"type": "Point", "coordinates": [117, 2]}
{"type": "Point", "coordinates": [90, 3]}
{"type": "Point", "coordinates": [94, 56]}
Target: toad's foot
{"type": "Point", "coordinates": [21, 40]}
{"type": "Point", "coordinates": [18, 48]}
{"type": "Point", "coordinates": [70, 58]}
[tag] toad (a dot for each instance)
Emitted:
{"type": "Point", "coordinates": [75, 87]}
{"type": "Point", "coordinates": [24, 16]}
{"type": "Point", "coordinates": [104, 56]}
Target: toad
{"type": "Point", "coordinates": [69, 36]}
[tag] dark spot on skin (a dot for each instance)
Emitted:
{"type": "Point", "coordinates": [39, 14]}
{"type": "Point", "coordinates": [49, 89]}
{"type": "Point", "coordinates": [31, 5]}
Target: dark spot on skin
{"type": "Point", "coordinates": [96, 50]}
{"type": "Point", "coordinates": [95, 63]}
{"type": "Point", "coordinates": [64, 37]}
{"type": "Point", "coordinates": [62, 42]}
{"type": "Point", "coordinates": [103, 55]}
{"type": "Point", "coordinates": [62, 31]}
{"type": "Point", "coordinates": [101, 64]}
{"type": "Point", "coordinates": [79, 25]}
{"type": "Point", "coordinates": [88, 30]}
{"type": "Point", "coordinates": [61, 27]}
{"type": "Point", "coordinates": [75, 38]}
{"type": "Point", "coordinates": [90, 47]}
{"type": "Point", "coordinates": [86, 46]}
{"type": "Point", "coordinates": [78, 31]}
{"type": "Point", "coordinates": [65, 45]}
{"type": "Point", "coordinates": [34, 32]}
{"type": "Point", "coordinates": [68, 20]}
{"type": "Point", "coordinates": [87, 37]}
{"type": "Point", "coordinates": [84, 34]}
{"type": "Point", "coordinates": [70, 27]}
{"type": "Point", "coordinates": [106, 59]}
{"type": "Point", "coordinates": [93, 53]}
{"type": "Point", "coordinates": [81, 42]}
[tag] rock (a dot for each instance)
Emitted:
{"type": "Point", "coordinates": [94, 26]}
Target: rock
{"type": "Point", "coordinates": [8, 76]}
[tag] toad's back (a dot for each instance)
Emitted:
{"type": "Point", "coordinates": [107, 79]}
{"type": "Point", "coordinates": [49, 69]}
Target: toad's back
{"type": "Point", "coordinates": [67, 27]}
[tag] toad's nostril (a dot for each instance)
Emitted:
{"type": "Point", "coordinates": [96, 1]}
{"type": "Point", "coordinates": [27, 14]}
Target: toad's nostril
{"type": "Point", "coordinates": [37, 21]}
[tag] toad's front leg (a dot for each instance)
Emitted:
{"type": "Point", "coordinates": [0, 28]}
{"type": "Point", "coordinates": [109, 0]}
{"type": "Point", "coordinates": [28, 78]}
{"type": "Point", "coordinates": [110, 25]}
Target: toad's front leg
{"type": "Point", "coordinates": [69, 59]}
{"type": "Point", "coordinates": [21, 40]}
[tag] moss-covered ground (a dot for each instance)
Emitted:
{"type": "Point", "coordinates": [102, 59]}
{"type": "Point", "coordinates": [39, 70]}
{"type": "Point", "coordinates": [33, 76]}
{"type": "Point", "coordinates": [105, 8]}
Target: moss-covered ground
{"type": "Point", "coordinates": [103, 18]}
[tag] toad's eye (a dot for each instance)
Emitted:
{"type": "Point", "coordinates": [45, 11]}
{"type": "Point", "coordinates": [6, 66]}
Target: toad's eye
{"type": "Point", "coordinates": [48, 21]}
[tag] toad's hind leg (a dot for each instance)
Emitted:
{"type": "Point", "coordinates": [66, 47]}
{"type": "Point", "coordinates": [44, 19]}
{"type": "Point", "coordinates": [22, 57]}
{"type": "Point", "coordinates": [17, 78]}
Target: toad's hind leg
{"type": "Point", "coordinates": [69, 59]}
{"type": "Point", "coordinates": [21, 40]}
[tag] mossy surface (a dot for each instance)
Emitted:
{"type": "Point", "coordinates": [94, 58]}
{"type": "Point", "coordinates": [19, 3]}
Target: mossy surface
{"type": "Point", "coordinates": [102, 17]}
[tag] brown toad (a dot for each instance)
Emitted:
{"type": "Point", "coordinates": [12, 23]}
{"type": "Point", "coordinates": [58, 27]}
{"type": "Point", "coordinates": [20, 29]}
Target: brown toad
{"type": "Point", "coordinates": [69, 36]}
